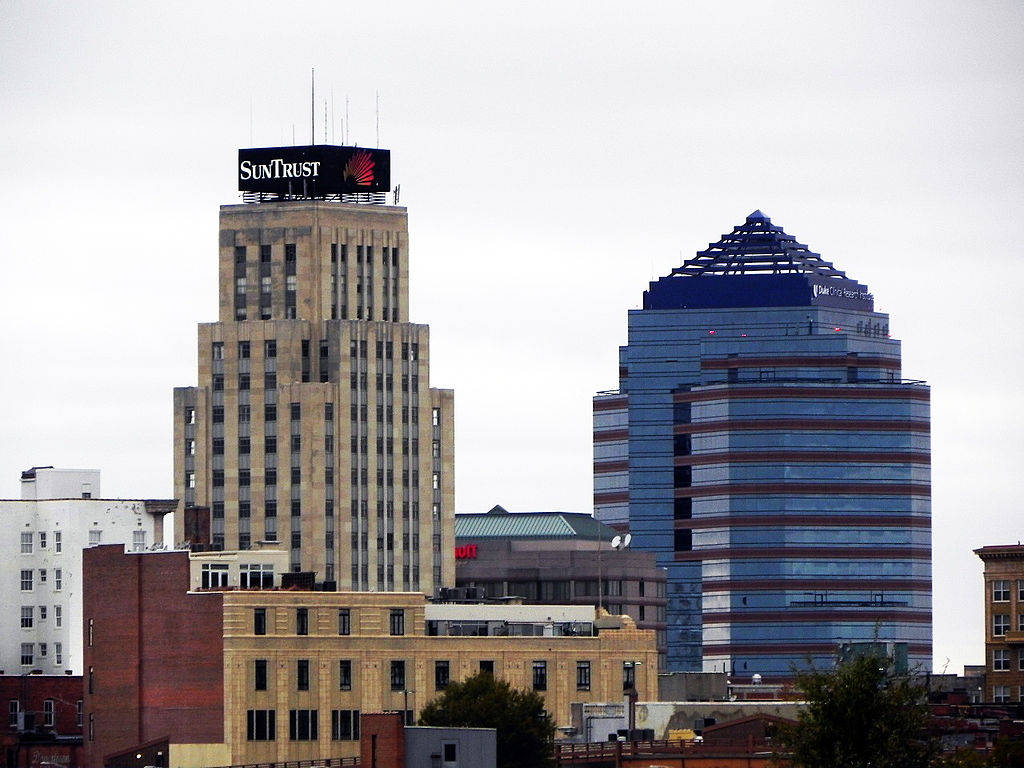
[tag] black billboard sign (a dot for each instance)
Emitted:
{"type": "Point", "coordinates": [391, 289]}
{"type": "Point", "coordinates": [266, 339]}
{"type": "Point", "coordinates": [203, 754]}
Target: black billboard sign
{"type": "Point", "coordinates": [315, 170]}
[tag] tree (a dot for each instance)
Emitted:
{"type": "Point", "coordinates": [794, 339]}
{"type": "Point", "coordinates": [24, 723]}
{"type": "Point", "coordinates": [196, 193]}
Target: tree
{"type": "Point", "coordinates": [860, 715]}
{"type": "Point", "coordinates": [525, 731]}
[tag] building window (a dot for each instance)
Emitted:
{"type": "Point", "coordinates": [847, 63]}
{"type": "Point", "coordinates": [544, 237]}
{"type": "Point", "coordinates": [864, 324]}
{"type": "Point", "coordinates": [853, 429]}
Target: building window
{"type": "Point", "coordinates": [260, 725]}
{"type": "Point", "coordinates": [13, 708]}
{"type": "Point", "coordinates": [487, 666]}
{"type": "Point", "coordinates": [26, 580]}
{"type": "Point", "coordinates": [345, 675]}
{"type": "Point", "coordinates": [302, 725]}
{"type": "Point", "coordinates": [42, 575]}
{"type": "Point", "coordinates": [449, 753]}
{"type": "Point", "coordinates": [27, 612]}
{"type": "Point", "coordinates": [302, 675]}
{"type": "Point", "coordinates": [1000, 624]}
{"type": "Point", "coordinates": [435, 417]}
{"type": "Point", "coordinates": [540, 675]}
{"type": "Point", "coordinates": [58, 616]}
{"type": "Point", "coordinates": [58, 654]}
{"type": "Point", "coordinates": [58, 580]}
{"type": "Point", "coordinates": [26, 543]}
{"type": "Point", "coordinates": [79, 711]}
{"type": "Point", "coordinates": [138, 541]}
{"type": "Point", "coordinates": [441, 672]}
{"type": "Point", "coordinates": [259, 621]}
{"type": "Point", "coordinates": [57, 542]}
{"type": "Point", "coordinates": [42, 539]}
{"type": "Point", "coordinates": [89, 632]}
{"type": "Point", "coordinates": [27, 653]}
{"type": "Point", "coordinates": [215, 575]}
{"type": "Point", "coordinates": [260, 674]}
{"type": "Point", "coordinates": [1001, 694]}
{"type": "Point", "coordinates": [301, 621]}
{"type": "Point", "coordinates": [397, 675]}
{"type": "Point", "coordinates": [95, 537]}
{"type": "Point", "coordinates": [1001, 591]}
{"type": "Point", "coordinates": [345, 725]}
{"type": "Point", "coordinates": [628, 675]}
{"type": "Point", "coordinates": [1000, 660]}
{"type": "Point", "coordinates": [48, 713]}
{"type": "Point", "coordinates": [344, 621]}
{"type": "Point", "coordinates": [92, 726]}
{"type": "Point", "coordinates": [256, 576]}
{"type": "Point", "coordinates": [397, 621]}
{"type": "Point", "coordinates": [582, 675]}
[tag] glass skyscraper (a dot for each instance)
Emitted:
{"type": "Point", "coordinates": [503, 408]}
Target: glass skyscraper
{"type": "Point", "coordinates": [765, 445]}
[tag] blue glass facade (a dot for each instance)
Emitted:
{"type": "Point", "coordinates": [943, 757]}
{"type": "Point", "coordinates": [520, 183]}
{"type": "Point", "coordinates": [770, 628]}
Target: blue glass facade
{"type": "Point", "coordinates": [774, 459]}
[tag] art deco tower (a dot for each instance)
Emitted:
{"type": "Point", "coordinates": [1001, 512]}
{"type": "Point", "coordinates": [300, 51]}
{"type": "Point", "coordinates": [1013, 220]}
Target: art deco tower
{"type": "Point", "coordinates": [314, 423]}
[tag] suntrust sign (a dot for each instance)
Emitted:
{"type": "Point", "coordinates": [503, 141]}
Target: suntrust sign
{"type": "Point", "coordinates": [466, 552]}
{"type": "Point", "coordinates": [315, 170]}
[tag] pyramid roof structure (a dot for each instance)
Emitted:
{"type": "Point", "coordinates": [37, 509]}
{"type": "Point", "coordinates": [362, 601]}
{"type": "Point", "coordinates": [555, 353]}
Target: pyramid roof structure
{"type": "Point", "coordinates": [757, 247]}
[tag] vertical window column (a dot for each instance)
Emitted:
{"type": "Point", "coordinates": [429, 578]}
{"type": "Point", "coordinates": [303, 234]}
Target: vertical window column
{"type": "Point", "coordinates": [266, 296]}
{"type": "Point", "coordinates": [241, 287]}
{"type": "Point", "coordinates": [295, 452]}
{"type": "Point", "coordinates": [290, 280]}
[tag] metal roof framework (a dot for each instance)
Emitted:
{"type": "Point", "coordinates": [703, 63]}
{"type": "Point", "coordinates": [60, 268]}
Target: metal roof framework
{"type": "Point", "coordinates": [757, 247]}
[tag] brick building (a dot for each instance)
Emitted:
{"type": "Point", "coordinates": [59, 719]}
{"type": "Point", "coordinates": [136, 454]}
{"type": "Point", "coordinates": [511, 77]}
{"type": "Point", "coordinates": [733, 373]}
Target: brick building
{"type": "Point", "coordinates": [1004, 622]}
{"type": "Point", "coordinates": [196, 658]}
{"type": "Point", "coordinates": [43, 726]}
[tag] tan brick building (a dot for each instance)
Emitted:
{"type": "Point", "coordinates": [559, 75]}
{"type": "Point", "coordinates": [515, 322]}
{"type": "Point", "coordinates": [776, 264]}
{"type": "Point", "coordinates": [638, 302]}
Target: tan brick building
{"type": "Point", "coordinates": [313, 423]}
{"type": "Point", "coordinates": [1004, 622]}
{"type": "Point", "coordinates": [262, 675]}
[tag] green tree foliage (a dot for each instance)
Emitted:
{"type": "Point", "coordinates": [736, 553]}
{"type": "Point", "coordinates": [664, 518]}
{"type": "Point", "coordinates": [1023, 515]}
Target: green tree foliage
{"type": "Point", "coordinates": [860, 715]}
{"type": "Point", "coordinates": [525, 731]}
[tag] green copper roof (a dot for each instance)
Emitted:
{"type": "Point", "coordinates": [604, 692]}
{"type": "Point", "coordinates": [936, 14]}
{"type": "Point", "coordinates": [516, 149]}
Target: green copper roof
{"type": "Point", "coordinates": [501, 524]}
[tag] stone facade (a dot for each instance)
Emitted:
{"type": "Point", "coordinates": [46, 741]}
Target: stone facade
{"type": "Point", "coordinates": [278, 675]}
{"type": "Point", "coordinates": [1004, 622]}
{"type": "Point", "coordinates": [314, 423]}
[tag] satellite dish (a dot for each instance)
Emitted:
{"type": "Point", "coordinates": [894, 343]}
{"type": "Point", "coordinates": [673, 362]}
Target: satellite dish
{"type": "Point", "coordinates": [628, 538]}
{"type": "Point", "coordinates": [615, 542]}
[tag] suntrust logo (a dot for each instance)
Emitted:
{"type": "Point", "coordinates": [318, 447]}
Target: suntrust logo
{"type": "Point", "coordinates": [278, 168]}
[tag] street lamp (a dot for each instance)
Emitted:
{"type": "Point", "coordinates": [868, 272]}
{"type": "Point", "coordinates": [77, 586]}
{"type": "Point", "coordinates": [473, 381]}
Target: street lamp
{"type": "Point", "coordinates": [406, 716]}
{"type": "Point", "coordinates": [631, 694]}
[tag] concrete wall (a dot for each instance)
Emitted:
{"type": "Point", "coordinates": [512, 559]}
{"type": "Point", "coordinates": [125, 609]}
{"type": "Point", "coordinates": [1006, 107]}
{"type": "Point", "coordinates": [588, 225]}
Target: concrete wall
{"type": "Point", "coordinates": [473, 747]}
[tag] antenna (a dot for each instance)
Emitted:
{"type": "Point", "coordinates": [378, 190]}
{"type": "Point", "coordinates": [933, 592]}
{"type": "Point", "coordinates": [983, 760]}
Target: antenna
{"type": "Point", "coordinates": [346, 119]}
{"type": "Point", "coordinates": [312, 105]}
{"type": "Point", "coordinates": [251, 99]}
{"type": "Point", "coordinates": [377, 96]}
{"type": "Point", "coordinates": [325, 122]}
{"type": "Point", "coordinates": [332, 114]}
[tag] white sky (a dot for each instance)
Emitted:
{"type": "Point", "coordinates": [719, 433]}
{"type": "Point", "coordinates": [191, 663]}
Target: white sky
{"type": "Point", "coordinates": [554, 157]}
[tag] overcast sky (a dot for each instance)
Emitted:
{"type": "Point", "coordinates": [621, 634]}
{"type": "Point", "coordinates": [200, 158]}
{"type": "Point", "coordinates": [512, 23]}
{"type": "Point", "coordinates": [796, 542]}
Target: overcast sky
{"type": "Point", "coordinates": [554, 158]}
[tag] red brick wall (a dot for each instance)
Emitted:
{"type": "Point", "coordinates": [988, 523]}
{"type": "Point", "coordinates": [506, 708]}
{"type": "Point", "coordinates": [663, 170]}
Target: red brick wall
{"type": "Point", "coordinates": [157, 652]}
{"type": "Point", "coordinates": [382, 741]}
{"type": "Point", "coordinates": [31, 691]}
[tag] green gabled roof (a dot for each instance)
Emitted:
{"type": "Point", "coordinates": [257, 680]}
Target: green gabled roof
{"type": "Point", "coordinates": [501, 524]}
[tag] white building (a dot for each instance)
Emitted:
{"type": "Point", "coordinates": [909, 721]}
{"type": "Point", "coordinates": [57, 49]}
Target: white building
{"type": "Point", "coordinates": [60, 512]}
